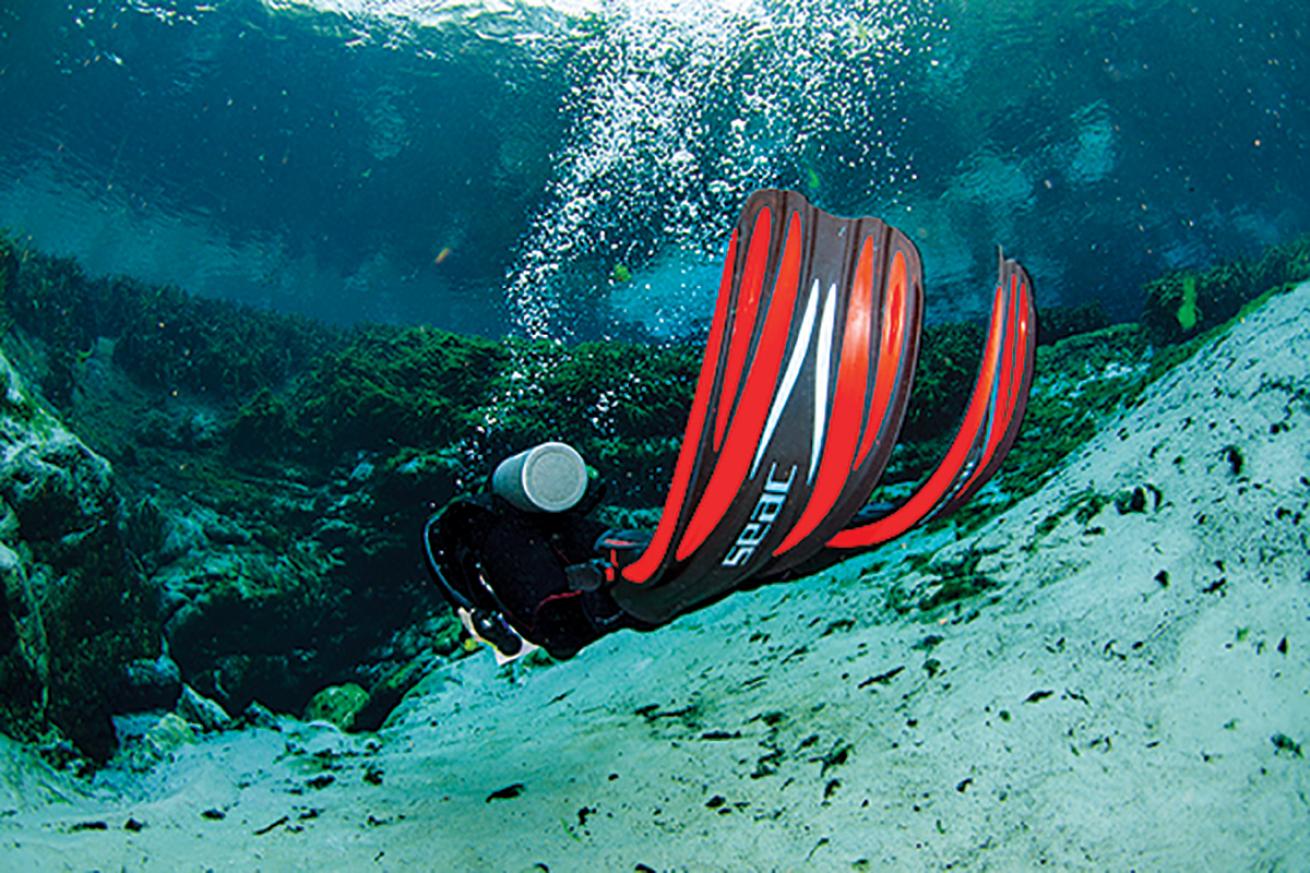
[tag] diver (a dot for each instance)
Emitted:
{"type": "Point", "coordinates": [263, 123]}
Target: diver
{"type": "Point", "coordinates": [801, 396]}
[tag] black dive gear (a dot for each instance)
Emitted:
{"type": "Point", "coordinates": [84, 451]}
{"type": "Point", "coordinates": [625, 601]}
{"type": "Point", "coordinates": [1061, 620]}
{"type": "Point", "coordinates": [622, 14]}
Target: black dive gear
{"type": "Point", "coordinates": [532, 576]}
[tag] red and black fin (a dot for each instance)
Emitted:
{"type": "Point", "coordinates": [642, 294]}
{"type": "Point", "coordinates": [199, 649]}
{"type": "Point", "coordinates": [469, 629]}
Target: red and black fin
{"type": "Point", "coordinates": [801, 396]}
{"type": "Point", "coordinates": [991, 420]}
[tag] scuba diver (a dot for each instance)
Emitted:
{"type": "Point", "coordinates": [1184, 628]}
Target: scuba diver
{"type": "Point", "coordinates": [801, 396]}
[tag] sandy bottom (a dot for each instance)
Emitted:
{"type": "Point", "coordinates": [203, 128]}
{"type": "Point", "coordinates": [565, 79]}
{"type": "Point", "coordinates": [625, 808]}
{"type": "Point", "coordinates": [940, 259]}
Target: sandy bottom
{"type": "Point", "coordinates": [1133, 692]}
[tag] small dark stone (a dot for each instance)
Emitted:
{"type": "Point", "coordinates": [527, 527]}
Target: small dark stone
{"type": "Point", "coordinates": [323, 780]}
{"type": "Point", "coordinates": [1235, 460]}
{"type": "Point", "coordinates": [1037, 696]}
{"type": "Point", "coordinates": [214, 814]}
{"type": "Point", "coordinates": [1163, 578]}
{"type": "Point", "coordinates": [1131, 501]}
{"type": "Point", "coordinates": [90, 826]}
{"type": "Point", "coordinates": [715, 802]}
{"type": "Point", "coordinates": [843, 624]}
{"type": "Point", "coordinates": [836, 758]}
{"type": "Point", "coordinates": [133, 825]}
{"type": "Point", "coordinates": [272, 827]}
{"type": "Point", "coordinates": [1282, 646]}
{"type": "Point", "coordinates": [258, 715]}
{"type": "Point", "coordinates": [507, 793]}
{"type": "Point", "coordinates": [1137, 503]}
{"type": "Point", "coordinates": [1284, 743]}
{"type": "Point", "coordinates": [881, 678]}
{"type": "Point", "coordinates": [373, 775]}
{"type": "Point", "coordinates": [721, 735]}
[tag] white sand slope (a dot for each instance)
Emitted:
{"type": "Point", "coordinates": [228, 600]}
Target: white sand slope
{"type": "Point", "coordinates": [1132, 693]}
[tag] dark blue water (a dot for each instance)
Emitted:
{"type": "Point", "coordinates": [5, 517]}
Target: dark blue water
{"type": "Point", "coordinates": [570, 169]}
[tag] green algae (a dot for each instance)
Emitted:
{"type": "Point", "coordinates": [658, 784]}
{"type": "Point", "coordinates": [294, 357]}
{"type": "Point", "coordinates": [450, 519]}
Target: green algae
{"type": "Point", "coordinates": [392, 387]}
{"type": "Point", "coordinates": [622, 405]}
{"type": "Point", "coordinates": [1188, 314]}
{"type": "Point", "coordinates": [947, 582]}
{"type": "Point", "coordinates": [337, 704]}
{"type": "Point", "coordinates": [1177, 305]}
{"type": "Point", "coordinates": [165, 338]}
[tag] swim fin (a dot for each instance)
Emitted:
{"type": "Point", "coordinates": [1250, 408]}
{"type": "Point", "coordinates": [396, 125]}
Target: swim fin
{"type": "Point", "coordinates": [802, 393]}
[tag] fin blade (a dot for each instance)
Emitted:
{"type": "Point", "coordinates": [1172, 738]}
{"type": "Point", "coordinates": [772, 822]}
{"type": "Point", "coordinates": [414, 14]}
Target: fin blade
{"type": "Point", "coordinates": [991, 422]}
{"type": "Point", "coordinates": [747, 424]}
{"type": "Point", "coordinates": [764, 413]}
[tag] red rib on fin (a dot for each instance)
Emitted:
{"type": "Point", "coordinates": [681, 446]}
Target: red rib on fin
{"type": "Point", "coordinates": [991, 421]}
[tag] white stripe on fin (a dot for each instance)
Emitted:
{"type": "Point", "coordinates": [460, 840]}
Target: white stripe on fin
{"type": "Point", "coordinates": [821, 375]}
{"type": "Point", "coordinates": [789, 377]}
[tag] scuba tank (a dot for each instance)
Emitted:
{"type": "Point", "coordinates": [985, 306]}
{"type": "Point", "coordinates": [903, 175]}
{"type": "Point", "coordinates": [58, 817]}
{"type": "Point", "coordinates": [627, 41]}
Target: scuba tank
{"type": "Point", "coordinates": [550, 477]}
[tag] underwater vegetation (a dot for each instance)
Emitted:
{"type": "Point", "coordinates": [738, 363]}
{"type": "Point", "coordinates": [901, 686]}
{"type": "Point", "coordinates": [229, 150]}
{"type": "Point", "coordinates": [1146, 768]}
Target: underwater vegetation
{"type": "Point", "coordinates": [250, 540]}
{"type": "Point", "coordinates": [164, 337]}
{"type": "Point", "coordinates": [391, 387]}
{"type": "Point", "coordinates": [1180, 305]}
{"type": "Point", "coordinates": [73, 606]}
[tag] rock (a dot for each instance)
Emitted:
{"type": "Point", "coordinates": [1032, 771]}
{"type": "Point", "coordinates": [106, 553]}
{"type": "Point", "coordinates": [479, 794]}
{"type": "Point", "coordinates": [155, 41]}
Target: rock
{"type": "Point", "coordinates": [197, 430]}
{"type": "Point", "coordinates": [148, 683]}
{"type": "Point", "coordinates": [148, 740]}
{"type": "Point", "coordinates": [202, 711]}
{"type": "Point", "coordinates": [338, 704]}
{"type": "Point", "coordinates": [28, 782]}
{"type": "Point", "coordinates": [54, 483]}
{"type": "Point", "coordinates": [258, 715]}
{"type": "Point", "coordinates": [170, 733]}
{"type": "Point", "coordinates": [387, 694]}
{"type": "Point", "coordinates": [247, 624]}
{"type": "Point", "coordinates": [73, 609]}
{"type": "Point", "coordinates": [363, 470]}
{"type": "Point", "coordinates": [145, 528]}
{"type": "Point", "coordinates": [336, 534]}
{"type": "Point", "coordinates": [411, 479]}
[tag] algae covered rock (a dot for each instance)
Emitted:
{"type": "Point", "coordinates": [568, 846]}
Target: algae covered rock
{"type": "Point", "coordinates": [201, 711]}
{"type": "Point", "coordinates": [245, 622]}
{"type": "Point", "coordinates": [169, 733]}
{"type": "Point", "coordinates": [338, 704]}
{"type": "Point", "coordinates": [73, 608]}
{"type": "Point", "coordinates": [148, 683]}
{"type": "Point", "coordinates": [388, 692]}
{"type": "Point", "coordinates": [262, 423]}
